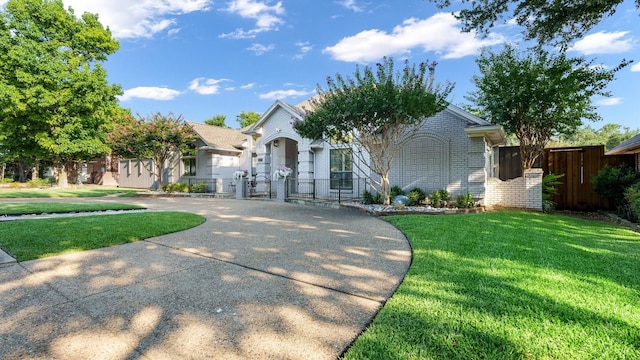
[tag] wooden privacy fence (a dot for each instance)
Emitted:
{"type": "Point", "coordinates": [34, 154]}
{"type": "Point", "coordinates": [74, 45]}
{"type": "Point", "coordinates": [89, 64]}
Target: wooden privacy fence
{"type": "Point", "coordinates": [579, 165]}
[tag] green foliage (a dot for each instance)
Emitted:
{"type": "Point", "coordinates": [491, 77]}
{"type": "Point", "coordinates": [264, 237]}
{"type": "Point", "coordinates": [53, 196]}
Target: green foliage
{"type": "Point", "coordinates": [416, 196]}
{"type": "Point", "coordinates": [556, 22]}
{"type": "Point", "coordinates": [549, 189]}
{"type": "Point", "coordinates": [632, 197]}
{"type": "Point", "coordinates": [56, 100]}
{"type": "Point", "coordinates": [465, 201]}
{"type": "Point", "coordinates": [218, 120]}
{"type": "Point", "coordinates": [369, 198]}
{"type": "Point", "coordinates": [536, 94]}
{"type": "Point", "coordinates": [395, 191]}
{"type": "Point", "coordinates": [612, 182]}
{"type": "Point", "coordinates": [7, 180]}
{"type": "Point", "coordinates": [439, 198]}
{"type": "Point", "coordinates": [383, 107]}
{"type": "Point", "coordinates": [157, 137]}
{"type": "Point", "coordinates": [175, 187]}
{"type": "Point", "coordinates": [609, 135]}
{"type": "Point", "coordinates": [199, 188]}
{"type": "Point", "coordinates": [246, 118]}
{"type": "Point", "coordinates": [39, 182]}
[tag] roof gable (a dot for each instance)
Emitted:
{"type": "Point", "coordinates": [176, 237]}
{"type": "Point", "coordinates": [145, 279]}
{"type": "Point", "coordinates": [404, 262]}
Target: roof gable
{"type": "Point", "coordinates": [219, 138]}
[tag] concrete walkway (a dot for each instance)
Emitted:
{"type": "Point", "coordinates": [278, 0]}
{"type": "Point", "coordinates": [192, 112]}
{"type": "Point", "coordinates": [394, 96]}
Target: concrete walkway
{"type": "Point", "coordinates": [258, 280]}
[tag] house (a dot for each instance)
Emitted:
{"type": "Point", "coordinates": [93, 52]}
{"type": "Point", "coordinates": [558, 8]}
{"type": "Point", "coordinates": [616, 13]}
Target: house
{"type": "Point", "coordinates": [454, 150]}
{"type": "Point", "coordinates": [629, 147]}
{"type": "Point", "coordinates": [218, 153]}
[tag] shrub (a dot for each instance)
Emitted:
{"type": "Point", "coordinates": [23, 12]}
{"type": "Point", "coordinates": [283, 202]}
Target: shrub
{"type": "Point", "coordinates": [7, 180]}
{"type": "Point", "coordinates": [38, 182]}
{"type": "Point", "coordinates": [465, 201]}
{"type": "Point", "coordinates": [199, 188]}
{"type": "Point", "coordinates": [416, 196]}
{"type": "Point", "coordinates": [612, 182]}
{"type": "Point", "coordinates": [377, 198]}
{"type": "Point", "coordinates": [549, 182]}
{"type": "Point", "coordinates": [439, 198]}
{"type": "Point", "coordinates": [395, 191]}
{"type": "Point", "coordinates": [15, 185]}
{"type": "Point", "coordinates": [175, 187]}
{"type": "Point", "coordinates": [632, 197]}
{"type": "Point", "coordinates": [368, 198]}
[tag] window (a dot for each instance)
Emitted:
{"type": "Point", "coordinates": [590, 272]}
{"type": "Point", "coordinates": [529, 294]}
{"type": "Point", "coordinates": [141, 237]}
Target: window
{"type": "Point", "coordinates": [189, 166]}
{"type": "Point", "coordinates": [341, 173]}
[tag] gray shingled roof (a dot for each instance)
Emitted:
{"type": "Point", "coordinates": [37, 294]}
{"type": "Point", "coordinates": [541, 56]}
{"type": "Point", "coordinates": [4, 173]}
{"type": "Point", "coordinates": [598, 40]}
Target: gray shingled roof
{"type": "Point", "coordinates": [631, 146]}
{"type": "Point", "coordinates": [218, 137]}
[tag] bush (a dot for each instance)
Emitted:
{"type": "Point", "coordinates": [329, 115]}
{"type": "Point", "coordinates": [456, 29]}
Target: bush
{"type": "Point", "coordinates": [416, 196]}
{"type": "Point", "coordinates": [465, 201]}
{"type": "Point", "coordinates": [199, 188]}
{"type": "Point", "coordinates": [632, 197]}
{"type": "Point", "coordinates": [38, 182]}
{"type": "Point", "coordinates": [395, 191]}
{"type": "Point", "coordinates": [439, 198]}
{"type": "Point", "coordinates": [7, 180]}
{"type": "Point", "coordinates": [549, 182]}
{"type": "Point", "coordinates": [15, 185]}
{"type": "Point", "coordinates": [175, 187]}
{"type": "Point", "coordinates": [612, 182]}
{"type": "Point", "coordinates": [368, 198]}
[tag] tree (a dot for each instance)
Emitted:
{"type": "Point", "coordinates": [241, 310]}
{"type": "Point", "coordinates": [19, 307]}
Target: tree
{"type": "Point", "coordinates": [536, 95]}
{"type": "Point", "coordinates": [158, 138]}
{"type": "Point", "coordinates": [543, 20]}
{"type": "Point", "coordinates": [217, 120]}
{"type": "Point", "coordinates": [246, 118]}
{"type": "Point", "coordinates": [55, 98]}
{"type": "Point", "coordinates": [378, 110]}
{"type": "Point", "coordinates": [609, 135]}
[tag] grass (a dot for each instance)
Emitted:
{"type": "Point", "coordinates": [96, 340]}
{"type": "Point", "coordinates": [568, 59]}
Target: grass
{"type": "Point", "coordinates": [64, 193]}
{"type": "Point", "coordinates": [51, 208]}
{"type": "Point", "coordinates": [511, 285]}
{"type": "Point", "coordinates": [39, 238]}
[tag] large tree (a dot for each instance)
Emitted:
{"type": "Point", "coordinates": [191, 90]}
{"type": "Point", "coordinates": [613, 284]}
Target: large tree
{"type": "Point", "coordinates": [609, 135]}
{"type": "Point", "coordinates": [218, 120]}
{"type": "Point", "coordinates": [156, 138]}
{"type": "Point", "coordinates": [545, 21]}
{"type": "Point", "coordinates": [55, 99]}
{"type": "Point", "coordinates": [378, 110]}
{"type": "Point", "coordinates": [246, 118]}
{"type": "Point", "coordinates": [536, 95]}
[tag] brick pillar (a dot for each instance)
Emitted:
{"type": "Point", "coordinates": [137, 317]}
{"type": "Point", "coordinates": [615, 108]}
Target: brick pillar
{"type": "Point", "coordinates": [534, 188]}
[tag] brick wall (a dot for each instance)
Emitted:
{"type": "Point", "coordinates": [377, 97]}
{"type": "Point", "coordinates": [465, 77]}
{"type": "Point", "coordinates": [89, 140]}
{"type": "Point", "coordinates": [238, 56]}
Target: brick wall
{"type": "Point", "coordinates": [523, 192]}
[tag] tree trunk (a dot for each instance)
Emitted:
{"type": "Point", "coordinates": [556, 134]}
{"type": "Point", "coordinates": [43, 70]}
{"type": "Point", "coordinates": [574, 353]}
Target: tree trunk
{"type": "Point", "coordinates": [63, 180]}
{"type": "Point", "coordinates": [386, 189]}
{"type": "Point", "coordinates": [2, 170]}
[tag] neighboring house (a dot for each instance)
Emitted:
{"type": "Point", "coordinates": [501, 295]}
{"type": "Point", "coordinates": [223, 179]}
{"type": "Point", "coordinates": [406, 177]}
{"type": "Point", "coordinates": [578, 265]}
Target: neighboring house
{"type": "Point", "coordinates": [629, 147]}
{"type": "Point", "coordinates": [218, 153]}
{"type": "Point", "coordinates": [454, 150]}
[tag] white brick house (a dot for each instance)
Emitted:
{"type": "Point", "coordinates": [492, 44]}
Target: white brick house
{"type": "Point", "coordinates": [454, 151]}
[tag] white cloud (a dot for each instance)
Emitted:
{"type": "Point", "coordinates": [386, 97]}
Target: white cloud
{"type": "Point", "coordinates": [636, 67]}
{"type": "Point", "coordinates": [351, 5]}
{"type": "Point", "coordinates": [281, 94]}
{"type": "Point", "coordinates": [305, 47]}
{"type": "Point", "coordinates": [260, 49]}
{"type": "Point", "coordinates": [149, 92]}
{"type": "Point", "coordinates": [440, 33]}
{"type": "Point", "coordinates": [604, 42]}
{"type": "Point", "coordinates": [609, 101]}
{"type": "Point", "coordinates": [204, 86]}
{"type": "Point", "coordinates": [248, 86]}
{"type": "Point", "coordinates": [267, 18]}
{"type": "Point", "coordinates": [134, 19]}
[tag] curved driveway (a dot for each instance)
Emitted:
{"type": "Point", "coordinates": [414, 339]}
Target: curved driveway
{"type": "Point", "coordinates": [258, 280]}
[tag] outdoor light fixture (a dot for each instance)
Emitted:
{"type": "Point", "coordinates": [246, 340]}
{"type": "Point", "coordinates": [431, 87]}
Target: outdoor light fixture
{"type": "Point", "coordinates": [276, 143]}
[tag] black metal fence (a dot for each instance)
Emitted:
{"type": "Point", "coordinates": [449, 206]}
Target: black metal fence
{"type": "Point", "coordinates": [327, 189]}
{"type": "Point", "coordinates": [204, 186]}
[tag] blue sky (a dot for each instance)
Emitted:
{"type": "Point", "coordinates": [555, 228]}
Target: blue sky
{"type": "Point", "coordinates": [200, 58]}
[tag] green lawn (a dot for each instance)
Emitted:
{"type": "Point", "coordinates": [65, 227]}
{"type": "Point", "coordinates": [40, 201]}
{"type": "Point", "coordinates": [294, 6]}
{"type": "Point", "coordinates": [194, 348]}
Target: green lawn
{"type": "Point", "coordinates": [38, 238]}
{"type": "Point", "coordinates": [50, 208]}
{"type": "Point", "coordinates": [7, 193]}
{"type": "Point", "coordinates": [511, 285]}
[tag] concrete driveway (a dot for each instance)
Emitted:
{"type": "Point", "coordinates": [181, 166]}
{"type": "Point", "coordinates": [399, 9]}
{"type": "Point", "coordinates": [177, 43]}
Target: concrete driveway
{"type": "Point", "coordinates": [258, 280]}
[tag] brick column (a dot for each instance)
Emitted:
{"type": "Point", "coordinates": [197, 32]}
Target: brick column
{"type": "Point", "coordinates": [534, 188]}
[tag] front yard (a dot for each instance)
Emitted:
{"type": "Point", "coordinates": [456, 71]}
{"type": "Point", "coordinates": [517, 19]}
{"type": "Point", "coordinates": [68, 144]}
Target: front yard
{"type": "Point", "coordinates": [511, 285]}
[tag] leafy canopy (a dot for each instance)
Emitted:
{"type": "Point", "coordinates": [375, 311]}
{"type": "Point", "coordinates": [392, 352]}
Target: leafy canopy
{"type": "Point", "coordinates": [55, 100]}
{"type": "Point", "coordinates": [545, 21]}
{"type": "Point", "coordinates": [377, 110]}
{"type": "Point", "coordinates": [246, 118]}
{"type": "Point", "coordinates": [536, 95]}
{"type": "Point", "coordinates": [218, 120]}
